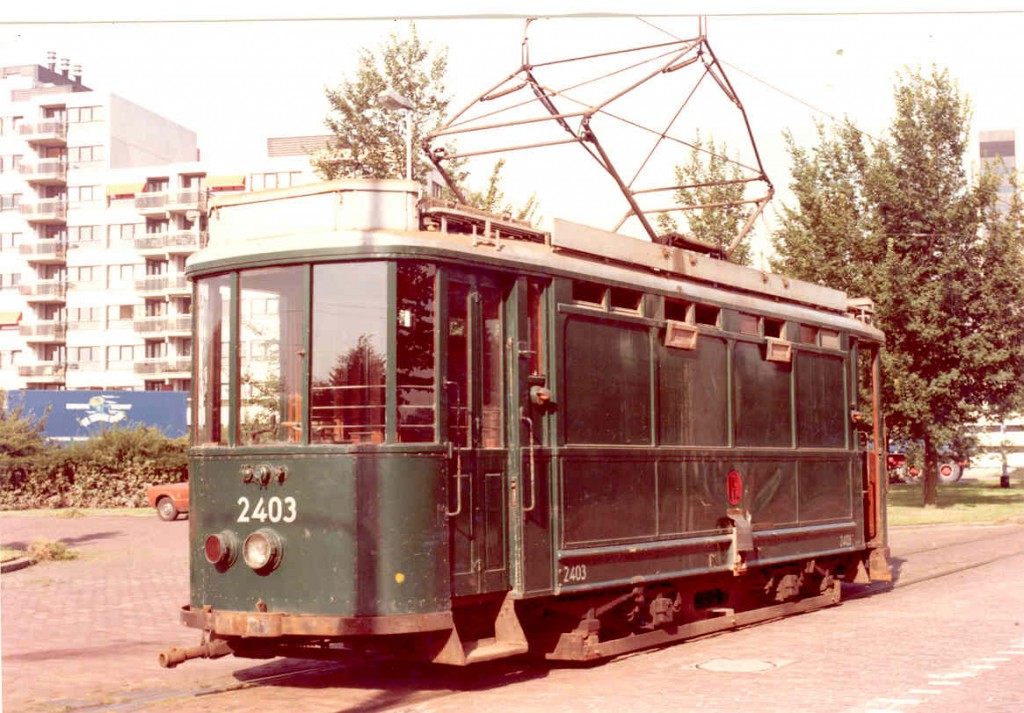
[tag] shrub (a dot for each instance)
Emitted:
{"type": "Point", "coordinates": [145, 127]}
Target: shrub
{"type": "Point", "coordinates": [110, 470]}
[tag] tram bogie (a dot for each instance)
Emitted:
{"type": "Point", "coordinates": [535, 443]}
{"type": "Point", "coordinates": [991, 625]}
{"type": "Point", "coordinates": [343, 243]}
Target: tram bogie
{"type": "Point", "coordinates": [427, 431]}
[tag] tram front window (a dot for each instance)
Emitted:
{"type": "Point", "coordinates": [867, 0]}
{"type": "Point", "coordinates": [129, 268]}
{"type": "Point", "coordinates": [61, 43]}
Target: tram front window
{"type": "Point", "coordinates": [270, 355]}
{"type": "Point", "coordinates": [212, 354]}
{"type": "Point", "coordinates": [349, 369]}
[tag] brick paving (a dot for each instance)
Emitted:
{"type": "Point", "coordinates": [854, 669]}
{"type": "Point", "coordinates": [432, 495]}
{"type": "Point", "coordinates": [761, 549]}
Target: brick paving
{"type": "Point", "coordinates": [84, 635]}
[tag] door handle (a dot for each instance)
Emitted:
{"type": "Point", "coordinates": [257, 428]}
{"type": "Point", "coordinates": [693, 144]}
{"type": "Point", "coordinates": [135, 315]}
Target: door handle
{"type": "Point", "coordinates": [533, 466]}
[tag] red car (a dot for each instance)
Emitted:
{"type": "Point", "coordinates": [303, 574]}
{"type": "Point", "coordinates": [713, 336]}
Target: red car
{"type": "Point", "coordinates": [169, 499]}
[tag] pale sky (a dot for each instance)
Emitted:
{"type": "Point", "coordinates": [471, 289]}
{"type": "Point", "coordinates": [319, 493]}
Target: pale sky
{"type": "Point", "coordinates": [236, 82]}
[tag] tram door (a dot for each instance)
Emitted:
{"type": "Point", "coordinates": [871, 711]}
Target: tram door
{"type": "Point", "coordinates": [477, 468]}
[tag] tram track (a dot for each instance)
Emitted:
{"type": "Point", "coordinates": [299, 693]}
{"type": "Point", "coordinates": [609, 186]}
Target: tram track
{"type": "Point", "coordinates": [425, 683]}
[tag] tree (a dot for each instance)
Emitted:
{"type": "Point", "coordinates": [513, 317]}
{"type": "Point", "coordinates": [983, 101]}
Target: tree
{"type": "Point", "coordinates": [370, 139]}
{"type": "Point", "coordinates": [716, 181]}
{"type": "Point", "coordinates": [900, 222]}
{"type": "Point", "coordinates": [492, 198]}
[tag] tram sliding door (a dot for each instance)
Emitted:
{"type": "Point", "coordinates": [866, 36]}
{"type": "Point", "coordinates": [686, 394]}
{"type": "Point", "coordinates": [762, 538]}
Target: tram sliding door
{"type": "Point", "coordinates": [474, 385]}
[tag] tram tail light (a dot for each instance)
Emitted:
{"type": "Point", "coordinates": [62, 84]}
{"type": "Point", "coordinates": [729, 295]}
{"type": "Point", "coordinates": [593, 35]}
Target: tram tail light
{"type": "Point", "coordinates": [262, 550]}
{"type": "Point", "coordinates": [221, 550]}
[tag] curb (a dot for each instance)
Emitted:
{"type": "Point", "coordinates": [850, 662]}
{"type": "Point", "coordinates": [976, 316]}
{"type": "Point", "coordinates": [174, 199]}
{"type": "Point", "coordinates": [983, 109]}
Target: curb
{"type": "Point", "coordinates": [16, 564]}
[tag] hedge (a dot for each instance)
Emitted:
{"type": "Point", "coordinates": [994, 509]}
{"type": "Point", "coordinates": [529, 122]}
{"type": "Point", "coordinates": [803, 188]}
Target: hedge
{"type": "Point", "coordinates": [109, 470]}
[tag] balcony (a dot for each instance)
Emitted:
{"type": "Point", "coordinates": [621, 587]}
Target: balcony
{"type": "Point", "coordinates": [47, 332]}
{"type": "Point", "coordinates": [169, 366]}
{"type": "Point", "coordinates": [179, 324]}
{"type": "Point", "coordinates": [154, 203]}
{"type": "Point", "coordinates": [151, 284]}
{"type": "Point", "coordinates": [52, 371]}
{"type": "Point", "coordinates": [178, 285]}
{"type": "Point", "coordinates": [151, 325]}
{"type": "Point", "coordinates": [46, 172]}
{"type": "Point", "coordinates": [48, 132]}
{"type": "Point", "coordinates": [44, 251]}
{"type": "Point", "coordinates": [185, 200]}
{"type": "Point", "coordinates": [184, 242]}
{"type": "Point", "coordinates": [48, 210]}
{"type": "Point", "coordinates": [44, 291]}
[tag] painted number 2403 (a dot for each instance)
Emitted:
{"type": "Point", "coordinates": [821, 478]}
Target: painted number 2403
{"type": "Point", "coordinates": [274, 509]}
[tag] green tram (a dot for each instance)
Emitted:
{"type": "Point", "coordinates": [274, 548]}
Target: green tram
{"type": "Point", "coordinates": [428, 430]}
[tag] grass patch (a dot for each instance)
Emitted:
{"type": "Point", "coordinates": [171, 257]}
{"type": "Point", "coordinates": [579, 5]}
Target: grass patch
{"type": "Point", "coordinates": [6, 553]}
{"type": "Point", "coordinates": [51, 551]}
{"type": "Point", "coordinates": [964, 502]}
{"type": "Point", "coordinates": [73, 513]}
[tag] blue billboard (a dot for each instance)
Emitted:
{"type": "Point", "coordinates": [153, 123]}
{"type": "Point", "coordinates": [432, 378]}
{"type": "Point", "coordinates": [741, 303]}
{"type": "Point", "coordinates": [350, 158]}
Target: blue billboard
{"type": "Point", "coordinates": [79, 415]}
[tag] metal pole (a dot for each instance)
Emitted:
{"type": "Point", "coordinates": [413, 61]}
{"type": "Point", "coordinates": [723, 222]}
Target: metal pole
{"type": "Point", "coordinates": [408, 144]}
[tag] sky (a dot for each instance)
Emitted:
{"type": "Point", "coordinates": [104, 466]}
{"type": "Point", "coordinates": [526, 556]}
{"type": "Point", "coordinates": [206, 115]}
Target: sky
{"type": "Point", "coordinates": [237, 73]}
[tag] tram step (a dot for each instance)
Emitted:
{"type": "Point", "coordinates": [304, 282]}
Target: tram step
{"type": "Point", "coordinates": [491, 649]}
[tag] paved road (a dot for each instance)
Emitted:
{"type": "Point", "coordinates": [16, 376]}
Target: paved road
{"type": "Point", "coordinates": [84, 635]}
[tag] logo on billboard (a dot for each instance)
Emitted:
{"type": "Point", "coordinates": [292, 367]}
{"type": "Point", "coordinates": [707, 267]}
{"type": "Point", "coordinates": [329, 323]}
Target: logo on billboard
{"type": "Point", "coordinates": [99, 409]}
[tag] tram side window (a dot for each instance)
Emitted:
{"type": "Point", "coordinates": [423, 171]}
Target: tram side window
{"type": "Point", "coordinates": [349, 353]}
{"type": "Point", "coordinates": [212, 355]}
{"type": "Point", "coordinates": [270, 355]}
{"type": "Point", "coordinates": [693, 408]}
{"type": "Point", "coordinates": [415, 358]}
{"type": "Point", "coordinates": [608, 383]}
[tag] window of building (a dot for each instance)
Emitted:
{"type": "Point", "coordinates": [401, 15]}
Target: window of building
{"type": "Point", "coordinates": [9, 241]}
{"type": "Point", "coordinates": [9, 125]}
{"type": "Point", "coordinates": [85, 154]}
{"type": "Point", "coordinates": [121, 275]}
{"type": "Point", "coordinates": [10, 279]}
{"type": "Point", "coordinates": [155, 349]}
{"type": "Point", "coordinates": [84, 275]}
{"type": "Point", "coordinates": [10, 163]}
{"type": "Point", "coordinates": [84, 194]}
{"type": "Point", "coordinates": [84, 356]}
{"type": "Point", "coordinates": [84, 317]}
{"type": "Point", "coordinates": [9, 357]}
{"type": "Point", "coordinates": [121, 357]}
{"type": "Point", "coordinates": [157, 226]}
{"type": "Point", "coordinates": [85, 114]}
{"type": "Point", "coordinates": [83, 234]}
{"type": "Point", "coordinates": [120, 313]}
{"type": "Point", "coordinates": [9, 202]}
{"type": "Point", "coordinates": [124, 232]}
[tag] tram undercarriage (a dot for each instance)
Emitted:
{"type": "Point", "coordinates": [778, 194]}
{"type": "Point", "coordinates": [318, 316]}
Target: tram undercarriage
{"type": "Point", "coordinates": [574, 628]}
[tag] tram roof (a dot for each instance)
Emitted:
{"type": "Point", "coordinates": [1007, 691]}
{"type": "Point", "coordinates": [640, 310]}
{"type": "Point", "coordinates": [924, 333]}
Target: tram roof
{"type": "Point", "coordinates": [379, 218]}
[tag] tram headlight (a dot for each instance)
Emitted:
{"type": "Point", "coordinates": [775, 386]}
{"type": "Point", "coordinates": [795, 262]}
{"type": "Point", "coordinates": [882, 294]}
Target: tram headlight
{"type": "Point", "coordinates": [221, 550]}
{"type": "Point", "coordinates": [262, 550]}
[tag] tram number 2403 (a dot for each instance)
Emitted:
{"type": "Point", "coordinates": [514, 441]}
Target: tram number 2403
{"type": "Point", "coordinates": [274, 509]}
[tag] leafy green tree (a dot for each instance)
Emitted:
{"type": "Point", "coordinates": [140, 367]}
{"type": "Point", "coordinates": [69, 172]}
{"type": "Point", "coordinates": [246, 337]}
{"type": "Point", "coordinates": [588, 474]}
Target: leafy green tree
{"type": "Point", "coordinates": [900, 222]}
{"type": "Point", "coordinates": [716, 180]}
{"type": "Point", "coordinates": [370, 139]}
{"type": "Point", "coordinates": [492, 198]}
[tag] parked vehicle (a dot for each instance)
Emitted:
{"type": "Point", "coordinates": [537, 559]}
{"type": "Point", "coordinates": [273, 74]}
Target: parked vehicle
{"type": "Point", "coordinates": [905, 465]}
{"type": "Point", "coordinates": [169, 499]}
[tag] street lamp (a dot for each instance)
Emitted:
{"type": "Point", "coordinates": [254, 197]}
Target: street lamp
{"type": "Point", "coordinates": [390, 99]}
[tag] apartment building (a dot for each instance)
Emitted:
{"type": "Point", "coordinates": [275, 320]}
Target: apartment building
{"type": "Point", "coordinates": [998, 153]}
{"type": "Point", "coordinates": [101, 203]}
